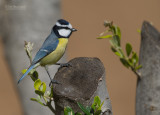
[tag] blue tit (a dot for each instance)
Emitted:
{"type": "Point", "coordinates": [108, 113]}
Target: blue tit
{"type": "Point", "coordinates": [53, 47]}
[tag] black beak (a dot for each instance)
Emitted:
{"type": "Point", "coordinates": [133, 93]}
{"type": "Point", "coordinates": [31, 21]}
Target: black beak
{"type": "Point", "coordinates": [73, 29]}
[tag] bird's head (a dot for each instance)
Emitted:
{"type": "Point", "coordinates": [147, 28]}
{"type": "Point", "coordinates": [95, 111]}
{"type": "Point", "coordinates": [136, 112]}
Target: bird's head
{"type": "Point", "coordinates": [63, 29]}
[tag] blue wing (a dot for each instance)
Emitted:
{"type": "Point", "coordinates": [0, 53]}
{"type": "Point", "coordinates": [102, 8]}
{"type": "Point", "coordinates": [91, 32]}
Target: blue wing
{"type": "Point", "coordinates": [45, 50]}
{"type": "Point", "coordinates": [49, 45]}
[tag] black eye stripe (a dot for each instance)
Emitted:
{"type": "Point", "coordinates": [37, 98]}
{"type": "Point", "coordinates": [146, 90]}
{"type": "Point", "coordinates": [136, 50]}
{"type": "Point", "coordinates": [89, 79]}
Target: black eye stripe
{"type": "Point", "coordinates": [63, 27]}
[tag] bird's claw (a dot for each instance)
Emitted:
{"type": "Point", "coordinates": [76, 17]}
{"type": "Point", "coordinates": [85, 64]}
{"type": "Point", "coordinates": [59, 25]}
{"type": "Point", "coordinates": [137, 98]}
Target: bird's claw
{"type": "Point", "coordinates": [53, 82]}
{"type": "Point", "coordinates": [65, 65]}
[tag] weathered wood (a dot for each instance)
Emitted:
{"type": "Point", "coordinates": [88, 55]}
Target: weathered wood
{"type": "Point", "coordinates": [148, 87]}
{"type": "Point", "coordinates": [27, 20]}
{"type": "Point", "coordinates": [81, 82]}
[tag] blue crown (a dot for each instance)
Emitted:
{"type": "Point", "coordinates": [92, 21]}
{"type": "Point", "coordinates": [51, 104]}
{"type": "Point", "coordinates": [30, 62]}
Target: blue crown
{"type": "Point", "coordinates": [63, 22]}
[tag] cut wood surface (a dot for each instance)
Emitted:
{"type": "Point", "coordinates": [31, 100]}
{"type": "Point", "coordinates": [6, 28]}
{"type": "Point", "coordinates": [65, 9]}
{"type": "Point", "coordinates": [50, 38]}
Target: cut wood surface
{"type": "Point", "coordinates": [81, 82]}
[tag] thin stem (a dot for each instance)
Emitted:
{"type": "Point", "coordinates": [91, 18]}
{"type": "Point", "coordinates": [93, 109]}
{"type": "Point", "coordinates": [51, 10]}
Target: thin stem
{"type": "Point", "coordinates": [30, 59]}
{"type": "Point", "coordinates": [48, 97]}
{"type": "Point", "coordinates": [45, 99]}
{"type": "Point", "coordinates": [137, 73]}
{"type": "Point", "coordinates": [50, 107]}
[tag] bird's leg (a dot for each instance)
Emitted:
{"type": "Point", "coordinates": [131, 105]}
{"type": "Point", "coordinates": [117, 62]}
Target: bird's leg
{"type": "Point", "coordinates": [63, 65]}
{"type": "Point", "coordinates": [52, 81]}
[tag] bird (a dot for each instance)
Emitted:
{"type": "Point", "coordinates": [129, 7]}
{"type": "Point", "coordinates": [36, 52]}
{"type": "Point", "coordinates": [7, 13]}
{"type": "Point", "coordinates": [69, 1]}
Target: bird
{"type": "Point", "coordinates": [53, 47]}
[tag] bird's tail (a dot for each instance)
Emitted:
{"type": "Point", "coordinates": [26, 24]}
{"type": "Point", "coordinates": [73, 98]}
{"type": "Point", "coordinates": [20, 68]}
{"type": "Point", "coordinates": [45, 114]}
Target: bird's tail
{"type": "Point", "coordinates": [26, 73]}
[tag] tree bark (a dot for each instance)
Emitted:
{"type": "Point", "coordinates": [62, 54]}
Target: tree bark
{"type": "Point", "coordinates": [81, 82]}
{"type": "Point", "coordinates": [148, 87]}
{"type": "Point", "coordinates": [27, 20]}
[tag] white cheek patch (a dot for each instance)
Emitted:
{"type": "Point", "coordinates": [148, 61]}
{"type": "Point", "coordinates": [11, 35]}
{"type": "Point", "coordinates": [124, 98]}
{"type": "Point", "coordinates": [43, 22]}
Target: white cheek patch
{"type": "Point", "coordinates": [64, 32]}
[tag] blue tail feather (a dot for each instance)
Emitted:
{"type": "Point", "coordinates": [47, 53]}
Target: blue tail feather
{"type": "Point", "coordinates": [25, 74]}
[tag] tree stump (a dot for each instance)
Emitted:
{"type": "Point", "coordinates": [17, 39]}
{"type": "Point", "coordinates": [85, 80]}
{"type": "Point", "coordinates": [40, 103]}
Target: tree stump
{"type": "Point", "coordinates": [81, 82]}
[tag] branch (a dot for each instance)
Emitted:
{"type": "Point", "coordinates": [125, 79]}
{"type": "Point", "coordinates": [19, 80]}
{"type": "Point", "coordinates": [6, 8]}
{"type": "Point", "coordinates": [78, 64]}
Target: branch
{"type": "Point", "coordinates": [148, 88]}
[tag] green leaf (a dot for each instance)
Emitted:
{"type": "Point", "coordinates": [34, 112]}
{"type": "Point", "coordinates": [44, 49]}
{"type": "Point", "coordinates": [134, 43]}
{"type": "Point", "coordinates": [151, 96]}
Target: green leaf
{"type": "Point", "coordinates": [113, 29]}
{"type": "Point", "coordinates": [88, 108]}
{"type": "Point", "coordinates": [68, 111]}
{"type": "Point", "coordinates": [33, 99]}
{"type": "Point", "coordinates": [78, 113]}
{"type": "Point", "coordinates": [124, 62]}
{"type": "Point", "coordinates": [135, 58]}
{"type": "Point", "coordinates": [34, 76]}
{"type": "Point", "coordinates": [118, 31]}
{"type": "Point", "coordinates": [128, 49]}
{"type": "Point", "coordinates": [130, 62]}
{"type": "Point", "coordinates": [98, 112]}
{"type": "Point", "coordinates": [118, 54]}
{"type": "Point", "coordinates": [116, 40]}
{"type": "Point", "coordinates": [40, 87]}
{"type": "Point", "coordinates": [97, 103]}
{"type": "Point", "coordinates": [97, 100]}
{"type": "Point", "coordinates": [112, 43]}
{"type": "Point", "coordinates": [37, 100]}
{"type": "Point", "coordinates": [24, 71]}
{"type": "Point", "coordinates": [105, 37]}
{"type": "Point", "coordinates": [100, 106]}
{"type": "Point", "coordinates": [113, 49]}
{"type": "Point", "coordinates": [43, 85]}
{"type": "Point", "coordinates": [38, 92]}
{"type": "Point", "coordinates": [83, 109]}
{"type": "Point", "coordinates": [138, 67]}
{"type": "Point", "coordinates": [37, 84]}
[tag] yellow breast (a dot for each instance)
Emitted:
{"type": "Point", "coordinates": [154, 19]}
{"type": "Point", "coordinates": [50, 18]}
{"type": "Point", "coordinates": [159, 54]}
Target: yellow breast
{"type": "Point", "coordinates": [56, 55]}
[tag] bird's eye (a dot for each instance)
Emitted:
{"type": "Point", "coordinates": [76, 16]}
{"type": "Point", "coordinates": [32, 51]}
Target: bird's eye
{"type": "Point", "coordinates": [66, 28]}
{"type": "Point", "coordinates": [63, 28]}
